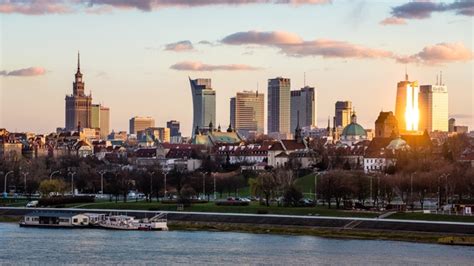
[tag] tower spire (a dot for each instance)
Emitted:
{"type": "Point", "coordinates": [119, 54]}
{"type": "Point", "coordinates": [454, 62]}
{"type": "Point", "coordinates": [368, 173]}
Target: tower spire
{"type": "Point", "coordinates": [78, 62]}
{"type": "Point", "coordinates": [406, 73]}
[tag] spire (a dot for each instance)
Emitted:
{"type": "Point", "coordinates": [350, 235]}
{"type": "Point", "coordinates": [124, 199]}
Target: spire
{"type": "Point", "coordinates": [78, 62]}
{"type": "Point", "coordinates": [441, 78]}
{"type": "Point", "coordinates": [298, 129]}
{"type": "Point", "coordinates": [230, 128]}
{"type": "Point", "coordinates": [406, 73]}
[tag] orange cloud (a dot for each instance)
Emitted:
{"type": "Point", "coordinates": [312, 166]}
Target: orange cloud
{"type": "Point", "coordinates": [24, 72]}
{"type": "Point", "coordinates": [35, 7]}
{"type": "Point", "coordinates": [198, 66]}
{"type": "Point", "coordinates": [393, 21]}
{"type": "Point", "coordinates": [439, 53]}
{"type": "Point", "coordinates": [293, 45]}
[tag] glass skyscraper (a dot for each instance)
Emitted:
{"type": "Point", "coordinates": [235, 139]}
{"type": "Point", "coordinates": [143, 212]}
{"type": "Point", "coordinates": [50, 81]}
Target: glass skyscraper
{"type": "Point", "coordinates": [279, 105]}
{"type": "Point", "coordinates": [204, 103]}
{"type": "Point", "coordinates": [303, 102]}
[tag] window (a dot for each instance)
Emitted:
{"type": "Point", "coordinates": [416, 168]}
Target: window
{"type": "Point", "coordinates": [75, 220]}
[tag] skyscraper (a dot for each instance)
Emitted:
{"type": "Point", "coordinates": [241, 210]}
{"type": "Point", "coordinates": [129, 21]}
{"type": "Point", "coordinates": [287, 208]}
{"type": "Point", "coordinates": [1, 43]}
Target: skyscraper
{"type": "Point", "coordinates": [247, 112]}
{"type": "Point", "coordinates": [279, 105]}
{"type": "Point", "coordinates": [78, 104]}
{"type": "Point", "coordinates": [343, 113]}
{"type": "Point", "coordinates": [173, 125]}
{"type": "Point", "coordinates": [138, 123]}
{"type": "Point", "coordinates": [433, 104]}
{"type": "Point", "coordinates": [204, 103]}
{"type": "Point", "coordinates": [95, 115]}
{"type": "Point", "coordinates": [232, 112]}
{"type": "Point", "coordinates": [303, 101]}
{"type": "Point", "coordinates": [406, 106]}
{"type": "Point", "coordinates": [104, 123]}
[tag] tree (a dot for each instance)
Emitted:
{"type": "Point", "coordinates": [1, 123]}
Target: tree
{"type": "Point", "coordinates": [292, 196]}
{"type": "Point", "coordinates": [52, 186]}
{"type": "Point", "coordinates": [264, 185]}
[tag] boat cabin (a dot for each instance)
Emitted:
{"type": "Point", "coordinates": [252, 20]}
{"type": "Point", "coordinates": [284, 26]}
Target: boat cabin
{"type": "Point", "coordinates": [56, 219]}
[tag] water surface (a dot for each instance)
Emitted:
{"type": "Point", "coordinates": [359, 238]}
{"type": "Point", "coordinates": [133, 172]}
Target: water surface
{"type": "Point", "coordinates": [95, 246]}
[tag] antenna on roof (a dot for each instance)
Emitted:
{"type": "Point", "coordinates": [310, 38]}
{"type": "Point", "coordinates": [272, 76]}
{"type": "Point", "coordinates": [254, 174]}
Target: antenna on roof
{"type": "Point", "coordinates": [441, 78]}
{"type": "Point", "coordinates": [406, 73]}
{"type": "Point", "coordinates": [304, 79]}
{"type": "Point", "coordinates": [437, 83]}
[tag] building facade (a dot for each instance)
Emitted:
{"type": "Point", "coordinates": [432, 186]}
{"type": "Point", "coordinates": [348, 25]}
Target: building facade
{"type": "Point", "coordinates": [138, 123]}
{"type": "Point", "coordinates": [248, 112]}
{"type": "Point", "coordinates": [174, 127]}
{"type": "Point", "coordinates": [303, 101]}
{"type": "Point", "coordinates": [386, 125]}
{"type": "Point", "coordinates": [104, 123]}
{"type": "Point", "coordinates": [406, 106]}
{"type": "Point", "coordinates": [343, 113]}
{"type": "Point", "coordinates": [433, 105]}
{"type": "Point", "coordinates": [204, 103]}
{"type": "Point", "coordinates": [279, 105]}
{"type": "Point", "coordinates": [78, 104]}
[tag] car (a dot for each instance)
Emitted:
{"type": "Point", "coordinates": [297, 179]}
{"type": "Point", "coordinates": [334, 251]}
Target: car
{"type": "Point", "coordinates": [32, 204]}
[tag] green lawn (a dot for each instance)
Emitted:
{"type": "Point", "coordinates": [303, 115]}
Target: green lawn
{"type": "Point", "coordinates": [211, 207]}
{"type": "Point", "coordinates": [306, 184]}
{"type": "Point", "coordinates": [431, 217]}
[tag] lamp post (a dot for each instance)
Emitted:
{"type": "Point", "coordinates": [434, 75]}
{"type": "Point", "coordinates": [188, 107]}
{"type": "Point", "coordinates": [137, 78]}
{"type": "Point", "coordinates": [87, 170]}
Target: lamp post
{"type": "Point", "coordinates": [102, 173]}
{"type": "Point", "coordinates": [72, 182]}
{"type": "Point", "coordinates": [165, 185]}
{"type": "Point", "coordinates": [51, 175]}
{"type": "Point", "coordinates": [215, 192]}
{"type": "Point", "coordinates": [316, 189]}
{"type": "Point", "coordinates": [204, 185]}
{"type": "Point", "coordinates": [151, 185]}
{"type": "Point", "coordinates": [24, 176]}
{"type": "Point", "coordinates": [5, 182]}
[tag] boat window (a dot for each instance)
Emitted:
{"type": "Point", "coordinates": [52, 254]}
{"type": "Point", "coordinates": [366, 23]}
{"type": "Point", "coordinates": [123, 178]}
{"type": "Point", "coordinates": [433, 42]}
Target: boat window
{"type": "Point", "coordinates": [84, 220]}
{"type": "Point", "coordinates": [64, 220]}
{"type": "Point", "coordinates": [75, 220]}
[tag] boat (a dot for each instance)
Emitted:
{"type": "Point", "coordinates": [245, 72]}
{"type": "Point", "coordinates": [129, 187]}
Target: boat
{"type": "Point", "coordinates": [125, 222]}
{"type": "Point", "coordinates": [55, 219]}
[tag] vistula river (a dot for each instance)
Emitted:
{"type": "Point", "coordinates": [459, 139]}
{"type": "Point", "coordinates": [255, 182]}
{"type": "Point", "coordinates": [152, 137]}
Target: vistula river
{"type": "Point", "coordinates": [94, 246]}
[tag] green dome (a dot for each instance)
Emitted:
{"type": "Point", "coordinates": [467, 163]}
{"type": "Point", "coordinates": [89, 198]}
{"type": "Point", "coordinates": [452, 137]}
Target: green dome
{"type": "Point", "coordinates": [354, 129]}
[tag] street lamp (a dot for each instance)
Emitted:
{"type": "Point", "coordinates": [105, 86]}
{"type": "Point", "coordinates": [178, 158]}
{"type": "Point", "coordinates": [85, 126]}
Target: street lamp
{"type": "Point", "coordinates": [215, 194]}
{"type": "Point", "coordinates": [5, 182]}
{"type": "Point", "coordinates": [51, 175]}
{"type": "Point", "coordinates": [72, 182]}
{"type": "Point", "coordinates": [165, 185]}
{"type": "Point", "coordinates": [151, 184]}
{"type": "Point", "coordinates": [24, 176]}
{"type": "Point", "coordinates": [102, 173]}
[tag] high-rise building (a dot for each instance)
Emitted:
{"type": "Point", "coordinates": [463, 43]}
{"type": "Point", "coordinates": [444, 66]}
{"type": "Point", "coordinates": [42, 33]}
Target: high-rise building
{"type": "Point", "coordinates": [247, 112]}
{"type": "Point", "coordinates": [451, 124]}
{"type": "Point", "coordinates": [138, 123]}
{"type": "Point", "coordinates": [159, 133]}
{"type": "Point", "coordinates": [279, 106]}
{"type": "Point", "coordinates": [104, 122]}
{"type": "Point", "coordinates": [204, 103]}
{"type": "Point", "coordinates": [173, 125]}
{"type": "Point", "coordinates": [78, 104]}
{"type": "Point", "coordinates": [433, 105]}
{"type": "Point", "coordinates": [406, 106]}
{"type": "Point", "coordinates": [386, 125]}
{"type": "Point", "coordinates": [232, 112]}
{"type": "Point", "coordinates": [343, 113]}
{"type": "Point", "coordinates": [303, 101]}
{"type": "Point", "coordinates": [95, 115]}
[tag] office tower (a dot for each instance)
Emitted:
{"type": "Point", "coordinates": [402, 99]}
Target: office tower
{"type": "Point", "coordinates": [78, 104]}
{"type": "Point", "coordinates": [248, 112]}
{"type": "Point", "coordinates": [279, 105]}
{"type": "Point", "coordinates": [158, 133]}
{"type": "Point", "coordinates": [204, 103]}
{"type": "Point", "coordinates": [95, 115]}
{"type": "Point", "coordinates": [173, 125]}
{"type": "Point", "coordinates": [303, 101]}
{"type": "Point", "coordinates": [343, 113]}
{"type": "Point", "coordinates": [406, 106]}
{"type": "Point", "coordinates": [138, 123]}
{"type": "Point", "coordinates": [433, 104]}
{"type": "Point", "coordinates": [386, 125]}
{"type": "Point", "coordinates": [104, 123]}
{"type": "Point", "coordinates": [232, 112]}
{"type": "Point", "coordinates": [451, 124]}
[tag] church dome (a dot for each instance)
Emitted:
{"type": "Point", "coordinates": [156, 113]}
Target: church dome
{"type": "Point", "coordinates": [398, 144]}
{"type": "Point", "coordinates": [354, 129]}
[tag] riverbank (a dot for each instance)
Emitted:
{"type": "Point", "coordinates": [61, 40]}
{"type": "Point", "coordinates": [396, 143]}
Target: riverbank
{"type": "Point", "coordinates": [338, 233]}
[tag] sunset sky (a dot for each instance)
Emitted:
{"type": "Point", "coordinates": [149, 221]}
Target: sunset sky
{"type": "Point", "coordinates": [136, 56]}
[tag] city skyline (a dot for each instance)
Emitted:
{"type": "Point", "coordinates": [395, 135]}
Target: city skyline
{"type": "Point", "coordinates": [138, 71]}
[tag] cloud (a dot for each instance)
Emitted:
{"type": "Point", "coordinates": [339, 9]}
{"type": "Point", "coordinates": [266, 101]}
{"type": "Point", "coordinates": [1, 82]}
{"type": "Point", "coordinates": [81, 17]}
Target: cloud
{"type": "Point", "coordinates": [440, 53]}
{"type": "Point", "coordinates": [198, 66]}
{"type": "Point", "coordinates": [41, 7]}
{"type": "Point", "coordinates": [24, 72]}
{"type": "Point", "coordinates": [424, 9]}
{"type": "Point", "coordinates": [393, 21]}
{"type": "Point", "coordinates": [293, 45]}
{"type": "Point", "coordinates": [181, 46]}
{"type": "Point", "coordinates": [35, 7]}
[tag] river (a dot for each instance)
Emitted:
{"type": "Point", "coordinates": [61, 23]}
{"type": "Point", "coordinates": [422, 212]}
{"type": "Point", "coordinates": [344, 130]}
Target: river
{"type": "Point", "coordinates": [95, 246]}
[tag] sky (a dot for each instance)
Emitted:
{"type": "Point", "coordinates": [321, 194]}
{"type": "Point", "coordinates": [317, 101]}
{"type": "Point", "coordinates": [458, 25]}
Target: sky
{"type": "Point", "coordinates": [136, 56]}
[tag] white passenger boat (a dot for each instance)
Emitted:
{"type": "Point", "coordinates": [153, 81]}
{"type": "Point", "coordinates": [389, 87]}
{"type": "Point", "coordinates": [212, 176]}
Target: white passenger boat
{"type": "Point", "coordinates": [125, 222]}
